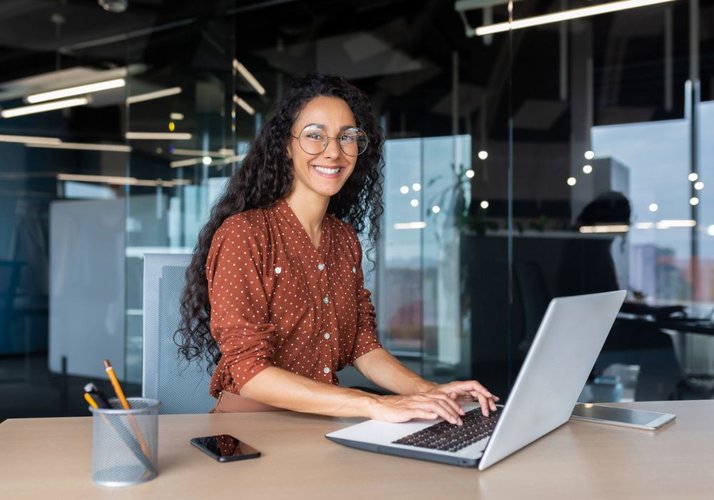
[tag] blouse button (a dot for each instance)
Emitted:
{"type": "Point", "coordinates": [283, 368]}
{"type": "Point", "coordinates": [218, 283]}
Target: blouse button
{"type": "Point", "coordinates": [278, 270]}
{"type": "Point", "coordinates": [325, 370]}
{"type": "Point", "coordinates": [326, 335]}
{"type": "Point", "coordinates": [354, 269]}
{"type": "Point", "coordinates": [321, 266]}
{"type": "Point", "coordinates": [325, 299]}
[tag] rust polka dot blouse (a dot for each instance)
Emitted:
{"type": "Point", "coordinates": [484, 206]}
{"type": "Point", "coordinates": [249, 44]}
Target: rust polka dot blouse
{"type": "Point", "coordinates": [276, 300]}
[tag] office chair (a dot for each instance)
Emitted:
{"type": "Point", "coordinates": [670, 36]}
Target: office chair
{"type": "Point", "coordinates": [181, 387]}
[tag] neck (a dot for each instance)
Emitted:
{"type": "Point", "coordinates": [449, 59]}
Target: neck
{"type": "Point", "coordinates": [310, 211]}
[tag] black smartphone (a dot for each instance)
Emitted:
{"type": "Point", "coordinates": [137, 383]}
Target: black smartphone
{"type": "Point", "coordinates": [225, 448]}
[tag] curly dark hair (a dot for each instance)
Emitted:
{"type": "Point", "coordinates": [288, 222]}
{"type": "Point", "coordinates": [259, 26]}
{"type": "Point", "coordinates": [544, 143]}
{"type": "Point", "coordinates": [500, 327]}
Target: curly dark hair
{"type": "Point", "coordinates": [265, 177]}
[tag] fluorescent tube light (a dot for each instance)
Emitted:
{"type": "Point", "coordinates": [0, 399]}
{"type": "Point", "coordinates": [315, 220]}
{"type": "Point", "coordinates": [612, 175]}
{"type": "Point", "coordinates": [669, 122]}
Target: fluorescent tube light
{"type": "Point", "coordinates": [410, 225]}
{"type": "Point", "coordinates": [185, 163]}
{"type": "Point", "coordinates": [605, 228]}
{"type": "Point", "coordinates": [248, 77]}
{"type": "Point", "coordinates": [122, 181]}
{"type": "Point", "coordinates": [667, 223]}
{"type": "Point", "coordinates": [199, 152]}
{"type": "Point", "coordinates": [158, 94]}
{"type": "Point", "coordinates": [83, 146]}
{"type": "Point", "coordinates": [246, 107]}
{"type": "Point", "coordinates": [155, 136]}
{"type": "Point", "coordinates": [41, 108]}
{"type": "Point", "coordinates": [29, 139]}
{"type": "Point", "coordinates": [76, 90]}
{"type": "Point", "coordinates": [565, 15]}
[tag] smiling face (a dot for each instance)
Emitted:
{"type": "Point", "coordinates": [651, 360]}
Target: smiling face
{"type": "Point", "coordinates": [325, 173]}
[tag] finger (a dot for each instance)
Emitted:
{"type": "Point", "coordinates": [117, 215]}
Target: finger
{"type": "Point", "coordinates": [483, 403]}
{"type": "Point", "coordinates": [437, 405]}
{"type": "Point", "coordinates": [449, 401]}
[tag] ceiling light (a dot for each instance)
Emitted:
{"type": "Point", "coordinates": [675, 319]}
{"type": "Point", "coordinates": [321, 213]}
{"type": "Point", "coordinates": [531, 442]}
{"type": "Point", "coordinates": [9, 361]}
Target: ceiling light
{"type": "Point", "coordinates": [605, 228]}
{"type": "Point", "coordinates": [156, 136]}
{"type": "Point", "coordinates": [200, 152]}
{"type": "Point", "coordinates": [83, 146]}
{"type": "Point", "coordinates": [41, 108]}
{"type": "Point", "coordinates": [246, 107]}
{"type": "Point", "coordinates": [185, 163]}
{"type": "Point", "coordinates": [76, 90]}
{"type": "Point", "coordinates": [29, 139]}
{"type": "Point", "coordinates": [158, 94]}
{"type": "Point", "coordinates": [121, 181]}
{"type": "Point", "coordinates": [248, 77]}
{"type": "Point", "coordinates": [409, 225]}
{"type": "Point", "coordinates": [565, 15]}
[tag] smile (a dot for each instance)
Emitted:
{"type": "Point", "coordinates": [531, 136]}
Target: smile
{"type": "Point", "coordinates": [327, 170]}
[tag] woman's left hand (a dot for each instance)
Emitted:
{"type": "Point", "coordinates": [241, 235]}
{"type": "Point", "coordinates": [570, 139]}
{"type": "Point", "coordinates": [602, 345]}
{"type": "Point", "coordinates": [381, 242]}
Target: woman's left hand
{"type": "Point", "coordinates": [470, 389]}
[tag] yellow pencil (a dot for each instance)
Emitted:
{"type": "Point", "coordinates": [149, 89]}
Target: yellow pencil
{"type": "Point", "coordinates": [125, 404]}
{"type": "Point", "coordinates": [115, 383]}
{"type": "Point", "coordinates": [91, 401]}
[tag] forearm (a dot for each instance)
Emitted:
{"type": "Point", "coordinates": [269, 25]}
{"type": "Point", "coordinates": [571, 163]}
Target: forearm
{"type": "Point", "coordinates": [283, 389]}
{"type": "Point", "coordinates": [380, 367]}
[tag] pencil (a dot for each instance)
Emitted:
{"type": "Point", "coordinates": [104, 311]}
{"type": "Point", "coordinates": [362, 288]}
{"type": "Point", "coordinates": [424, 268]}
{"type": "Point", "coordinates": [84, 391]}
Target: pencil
{"type": "Point", "coordinates": [115, 383]}
{"type": "Point", "coordinates": [125, 404]}
{"type": "Point", "coordinates": [91, 401]}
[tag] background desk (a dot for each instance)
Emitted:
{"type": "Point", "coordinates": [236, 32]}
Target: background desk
{"type": "Point", "coordinates": [41, 458]}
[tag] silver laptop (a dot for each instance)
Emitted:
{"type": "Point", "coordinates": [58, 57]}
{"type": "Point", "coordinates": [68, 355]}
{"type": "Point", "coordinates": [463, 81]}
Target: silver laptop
{"type": "Point", "coordinates": [563, 352]}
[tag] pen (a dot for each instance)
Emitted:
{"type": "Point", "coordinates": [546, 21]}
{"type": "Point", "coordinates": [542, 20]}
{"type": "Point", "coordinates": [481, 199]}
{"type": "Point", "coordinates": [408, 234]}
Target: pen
{"type": "Point", "coordinates": [97, 395]}
{"type": "Point", "coordinates": [115, 383]}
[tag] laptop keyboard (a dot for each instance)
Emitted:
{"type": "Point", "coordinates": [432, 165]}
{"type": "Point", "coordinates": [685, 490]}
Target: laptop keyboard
{"type": "Point", "coordinates": [449, 437]}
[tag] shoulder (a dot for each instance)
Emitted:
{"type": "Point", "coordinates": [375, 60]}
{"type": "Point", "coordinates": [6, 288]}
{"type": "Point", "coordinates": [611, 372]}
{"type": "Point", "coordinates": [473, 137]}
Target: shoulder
{"type": "Point", "coordinates": [249, 228]}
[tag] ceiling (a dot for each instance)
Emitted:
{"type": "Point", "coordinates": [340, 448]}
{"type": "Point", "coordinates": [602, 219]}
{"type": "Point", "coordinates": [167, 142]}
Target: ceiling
{"type": "Point", "coordinates": [402, 52]}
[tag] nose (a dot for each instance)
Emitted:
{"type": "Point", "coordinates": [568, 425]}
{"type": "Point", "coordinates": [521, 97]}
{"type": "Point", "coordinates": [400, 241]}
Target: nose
{"type": "Point", "coordinates": [332, 150]}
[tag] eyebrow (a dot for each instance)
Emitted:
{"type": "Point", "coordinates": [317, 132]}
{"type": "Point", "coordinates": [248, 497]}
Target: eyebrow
{"type": "Point", "coordinates": [320, 125]}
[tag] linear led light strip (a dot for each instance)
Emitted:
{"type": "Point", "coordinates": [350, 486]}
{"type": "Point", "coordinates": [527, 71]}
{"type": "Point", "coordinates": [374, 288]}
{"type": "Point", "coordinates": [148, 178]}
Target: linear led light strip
{"type": "Point", "coordinates": [198, 152]}
{"type": "Point", "coordinates": [24, 139]}
{"type": "Point", "coordinates": [158, 94]}
{"type": "Point", "coordinates": [246, 107]}
{"type": "Point", "coordinates": [153, 136]}
{"type": "Point", "coordinates": [76, 90]}
{"type": "Point", "coordinates": [565, 15]}
{"type": "Point", "coordinates": [82, 146]}
{"type": "Point", "coordinates": [248, 77]}
{"type": "Point", "coordinates": [122, 181]}
{"type": "Point", "coordinates": [605, 228]}
{"type": "Point", "coordinates": [47, 106]}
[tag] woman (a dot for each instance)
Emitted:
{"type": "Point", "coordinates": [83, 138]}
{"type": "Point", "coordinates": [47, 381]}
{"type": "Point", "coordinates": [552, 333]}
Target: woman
{"type": "Point", "coordinates": [275, 296]}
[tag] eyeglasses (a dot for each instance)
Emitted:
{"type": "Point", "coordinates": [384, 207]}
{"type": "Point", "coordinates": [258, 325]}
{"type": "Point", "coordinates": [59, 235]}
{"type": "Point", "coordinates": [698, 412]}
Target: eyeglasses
{"type": "Point", "coordinates": [313, 140]}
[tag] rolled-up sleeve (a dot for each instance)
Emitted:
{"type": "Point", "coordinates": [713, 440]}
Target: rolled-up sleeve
{"type": "Point", "coordinates": [366, 336]}
{"type": "Point", "coordinates": [239, 306]}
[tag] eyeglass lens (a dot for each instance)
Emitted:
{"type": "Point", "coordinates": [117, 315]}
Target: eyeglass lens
{"type": "Point", "coordinates": [314, 139]}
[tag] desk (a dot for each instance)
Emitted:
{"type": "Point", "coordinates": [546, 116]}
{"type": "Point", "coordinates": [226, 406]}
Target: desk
{"type": "Point", "coordinates": [40, 458]}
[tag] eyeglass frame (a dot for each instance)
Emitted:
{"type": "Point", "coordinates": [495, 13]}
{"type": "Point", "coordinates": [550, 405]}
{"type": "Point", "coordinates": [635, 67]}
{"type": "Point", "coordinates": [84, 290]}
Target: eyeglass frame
{"type": "Point", "coordinates": [327, 141]}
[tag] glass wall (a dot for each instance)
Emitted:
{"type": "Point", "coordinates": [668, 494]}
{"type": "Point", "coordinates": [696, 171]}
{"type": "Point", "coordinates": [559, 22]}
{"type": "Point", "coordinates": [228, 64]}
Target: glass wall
{"type": "Point", "coordinates": [559, 159]}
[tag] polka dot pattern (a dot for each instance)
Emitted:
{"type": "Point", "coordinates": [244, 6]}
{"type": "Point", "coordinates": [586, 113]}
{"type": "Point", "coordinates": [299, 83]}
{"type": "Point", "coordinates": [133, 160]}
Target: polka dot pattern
{"type": "Point", "coordinates": [276, 300]}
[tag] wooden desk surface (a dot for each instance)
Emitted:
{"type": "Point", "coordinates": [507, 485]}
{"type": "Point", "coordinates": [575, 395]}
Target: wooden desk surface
{"type": "Point", "coordinates": [41, 458]}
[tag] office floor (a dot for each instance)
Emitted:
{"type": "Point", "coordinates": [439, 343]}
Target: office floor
{"type": "Point", "coordinates": [29, 389]}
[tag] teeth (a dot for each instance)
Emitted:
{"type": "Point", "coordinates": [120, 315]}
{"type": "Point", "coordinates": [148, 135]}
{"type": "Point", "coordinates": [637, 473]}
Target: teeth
{"type": "Point", "coordinates": [325, 170]}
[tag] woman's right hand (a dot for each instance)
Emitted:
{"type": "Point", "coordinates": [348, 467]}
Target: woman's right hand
{"type": "Point", "coordinates": [429, 406]}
